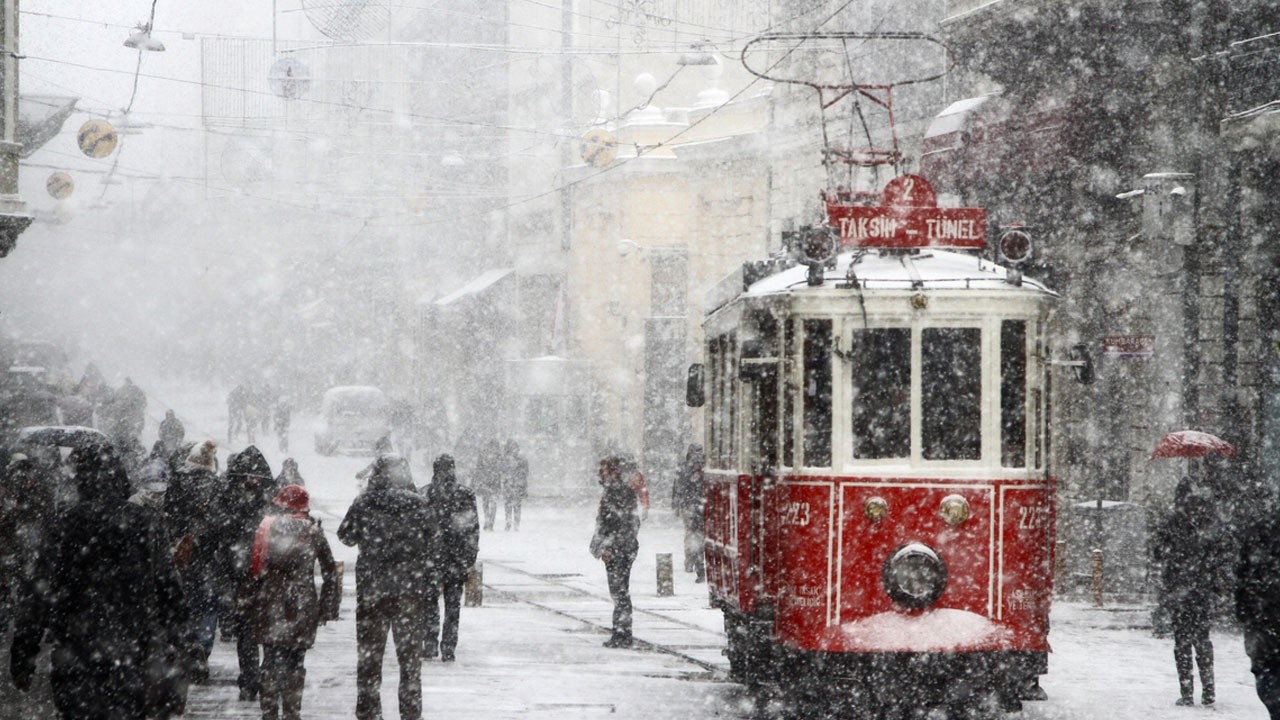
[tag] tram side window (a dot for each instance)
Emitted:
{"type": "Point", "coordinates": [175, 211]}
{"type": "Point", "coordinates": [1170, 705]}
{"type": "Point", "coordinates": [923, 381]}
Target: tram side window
{"type": "Point", "coordinates": [788, 397]}
{"type": "Point", "coordinates": [881, 371]}
{"type": "Point", "coordinates": [1013, 393]}
{"type": "Point", "coordinates": [951, 393]}
{"type": "Point", "coordinates": [713, 402]}
{"type": "Point", "coordinates": [817, 393]}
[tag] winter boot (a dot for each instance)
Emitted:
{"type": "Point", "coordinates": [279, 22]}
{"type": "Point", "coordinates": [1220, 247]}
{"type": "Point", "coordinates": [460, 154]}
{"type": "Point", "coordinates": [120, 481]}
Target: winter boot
{"type": "Point", "coordinates": [619, 640]}
{"type": "Point", "coordinates": [291, 697]}
{"type": "Point", "coordinates": [1187, 691]}
{"type": "Point", "coordinates": [269, 697]}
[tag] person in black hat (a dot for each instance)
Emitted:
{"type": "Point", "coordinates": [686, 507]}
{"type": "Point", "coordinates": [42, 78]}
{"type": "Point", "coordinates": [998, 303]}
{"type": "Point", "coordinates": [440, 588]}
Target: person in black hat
{"type": "Point", "coordinates": [455, 541]}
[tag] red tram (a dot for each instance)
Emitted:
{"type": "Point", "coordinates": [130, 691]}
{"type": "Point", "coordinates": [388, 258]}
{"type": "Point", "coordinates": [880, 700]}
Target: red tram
{"type": "Point", "coordinates": [879, 505]}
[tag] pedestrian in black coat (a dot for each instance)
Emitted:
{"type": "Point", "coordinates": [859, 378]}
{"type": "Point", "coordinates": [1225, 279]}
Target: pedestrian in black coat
{"type": "Point", "coordinates": [191, 521]}
{"type": "Point", "coordinates": [515, 483]}
{"type": "Point", "coordinates": [1189, 546]}
{"type": "Point", "coordinates": [107, 594]}
{"type": "Point", "coordinates": [616, 542]}
{"type": "Point", "coordinates": [1258, 604]}
{"type": "Point", "coordinates": [245, 499]}
{"type": "Point", "coordinates": [455, 542]}
{"type": "Point", "coordinates": [687, 502]}
{"type": "Point", "coordinates": [487, 480]}
{"type": "Point", "coordinates": [390, 523]}
{"type": "Point", "coordinates": [172, 432]}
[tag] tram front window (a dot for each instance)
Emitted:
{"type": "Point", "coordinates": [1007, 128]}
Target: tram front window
{"type": "Point", "coordinates": [881, 372]}
{"type": "Point", "coordinates": [951, 393]}
{"type": "Point", "coordinates": [817, 393]}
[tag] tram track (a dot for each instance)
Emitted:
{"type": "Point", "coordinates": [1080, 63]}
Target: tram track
{"type": "Point", "coordinates": [716, 673]}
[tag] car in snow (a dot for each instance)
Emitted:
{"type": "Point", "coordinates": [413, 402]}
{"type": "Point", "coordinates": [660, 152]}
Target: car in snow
{"type": "Point", "coordinates": [353, 418]}
{"type": "Point", "coordinates": [49, 446]}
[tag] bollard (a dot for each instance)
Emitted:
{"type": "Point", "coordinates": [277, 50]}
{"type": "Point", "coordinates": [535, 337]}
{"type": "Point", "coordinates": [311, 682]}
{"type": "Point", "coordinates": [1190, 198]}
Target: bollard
{"type": "Point", "coordinates": [666, 585]}
{"type": "Point", "coordinates": [473, 591]}
{"type": "Point", "coordinates": [1096, 586]}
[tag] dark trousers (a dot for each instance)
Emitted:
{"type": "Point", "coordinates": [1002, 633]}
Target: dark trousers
{"type": "Point", "coordinates": [489, 502]}
{"type": "Point", "coordinates": [694, 539]}
{"type": "Point", "coordinates": [246, 653]}
{"type": "Point", "coordinates": [618, 571]}
{"type": "Point", "coordinates": [402, 616]}
{"type": "Point", "coordinates": [1189, 636]}
{"type": "Point", "coordinates": [511, 509]}
{"type": "Point", "coordinates": [84, 691]}
{"type": "Point", "coordinates": [1264, 656]}
{"type": "Point", "coordinates": [283, 678]}
{"type": "Point", "coordinates": [448, 588]}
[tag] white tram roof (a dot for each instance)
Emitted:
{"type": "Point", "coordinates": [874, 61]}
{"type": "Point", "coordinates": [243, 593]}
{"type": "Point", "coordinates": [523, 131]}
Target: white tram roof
{"type": "Point", "coordinates": [929, 269]}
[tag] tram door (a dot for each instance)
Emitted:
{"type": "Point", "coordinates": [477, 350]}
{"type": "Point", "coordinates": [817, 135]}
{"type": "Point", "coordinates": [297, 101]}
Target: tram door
{"type": "Point", "coordinates": [758, 374]}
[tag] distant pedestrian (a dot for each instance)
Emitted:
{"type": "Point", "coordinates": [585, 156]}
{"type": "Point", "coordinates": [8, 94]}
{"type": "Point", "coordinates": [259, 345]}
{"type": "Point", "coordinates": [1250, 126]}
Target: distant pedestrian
{"type": "Point", "coordinates": [455, 542]}
{"type": "Point", "coordinates": [282, 414]}
{"type": "Point", "coordinates": [515, 483]}
{"type": "Point", "coordinates": [487, 480]}
{"type": "Point", "coordinates": [616, 543]}
{"type": "Point", "coordinates": [1188, 545]}
{"type": "Point", "coordinates": [1258, 603]}
{"type": "Point", "coordinates": [109, 599]}
{"type": "Point", "coordinates": [287, 546]}
{"type": "Point", "coordinates": [172, 432]}
{"type": "Point", "coordinates": [687, 502]}
{"type": "Point", "coordinates": [390, 523]}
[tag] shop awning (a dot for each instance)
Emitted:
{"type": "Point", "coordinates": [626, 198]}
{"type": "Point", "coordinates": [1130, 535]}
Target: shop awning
{"type": "Point", "coordinates": [40, 118]}
{"type": "Point", "coordinates": [477, 286]}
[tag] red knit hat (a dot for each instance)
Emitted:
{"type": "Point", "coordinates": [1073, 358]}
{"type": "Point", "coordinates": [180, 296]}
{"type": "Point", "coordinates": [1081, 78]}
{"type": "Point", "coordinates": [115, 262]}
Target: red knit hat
{"type": "Point", "coordinates": [293, 497]}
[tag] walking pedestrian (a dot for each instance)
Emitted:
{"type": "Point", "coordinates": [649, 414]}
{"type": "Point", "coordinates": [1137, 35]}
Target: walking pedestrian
{"type": "Point", "coordinates": [1189, 547]}
{"type": "Point", "coordinates": [1258, 604]}
{"type": "Point", "coordinates": [287, 546]}
{"type": "Point", "coordinates": [616, 543]}
{"type": "Point", "coordinates": [245, 499]}
{"type": "Point", "coordinates": [687, 502]}
{"type": "Point", "coordinates": [390, 523]}
{"type": "Point", "coordinates": [289, 474]}
{"type": "Point", "coordinates": [487, 480]}
{"type": "Point", "coordinates": [282, 413]}
{"type": "Point", "coordinates": [172, 432]}
{"type": "Point", "coordinates": [190, 518]}
{"type": "Point", "coordinates": [455, 542]}
{"type": "Point", "coordinates": [109, 599]}
{"type": "Point", "coordinates": [515, 483]}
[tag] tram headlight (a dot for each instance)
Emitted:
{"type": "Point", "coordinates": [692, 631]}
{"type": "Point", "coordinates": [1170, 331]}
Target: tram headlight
{"type": "Point", "coordinates": [954, 510]}
{"type": "Point", "coordinates": [875, 508]}
{"type": "Point", "coordinates": [915, 576]}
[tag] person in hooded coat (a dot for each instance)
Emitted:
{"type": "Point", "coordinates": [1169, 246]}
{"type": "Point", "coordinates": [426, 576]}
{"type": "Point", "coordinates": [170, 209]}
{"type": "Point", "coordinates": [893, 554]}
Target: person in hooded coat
{"type": "Point", "coordinates": [245, 499]}
{"type": "Point", "coordinates": [108, 595]}
{"type": "Point", "coordinates": [172, 432]}
{"type": "Point", "coordinates": [289, 474]}
{"type": "Point", "coordinates": [1190, 550]}
{"type": "Point", "coordinates": [190, 520]}
{"type": "Point", "coordinates": [455, 542]}
{"type": "Point", "coordinates": [391, 524]}
{"type": "Point", "coordinates": [687, 501]}
{"type": "Point", "coordinates": [287, 546]}
{"type": "Point", "coordinates": [616, 543]}
{"type": "Point", "coordinates": [1258, 602]}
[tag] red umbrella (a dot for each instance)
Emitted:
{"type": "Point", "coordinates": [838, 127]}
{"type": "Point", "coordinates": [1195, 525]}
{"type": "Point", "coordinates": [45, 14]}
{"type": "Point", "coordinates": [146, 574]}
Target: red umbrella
{"type": "Point", "coordinates": [1192, 444]}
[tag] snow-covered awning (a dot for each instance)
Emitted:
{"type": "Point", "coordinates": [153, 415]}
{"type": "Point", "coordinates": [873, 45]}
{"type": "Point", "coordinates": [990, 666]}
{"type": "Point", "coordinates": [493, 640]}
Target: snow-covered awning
{"type": "Point", "coordinates": [475, 287]}
{"type": "Point", "coordinates": [40, 118]}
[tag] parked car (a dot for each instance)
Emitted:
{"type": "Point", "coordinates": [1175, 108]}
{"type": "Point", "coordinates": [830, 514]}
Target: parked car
{"type": "Point", "coordinates": [353, 418]}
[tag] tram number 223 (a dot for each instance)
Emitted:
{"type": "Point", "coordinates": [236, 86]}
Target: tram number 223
{"type": "Point", "coordinates": [1033, 518]}
{"type": "Point", "coordinates": [795, 513]}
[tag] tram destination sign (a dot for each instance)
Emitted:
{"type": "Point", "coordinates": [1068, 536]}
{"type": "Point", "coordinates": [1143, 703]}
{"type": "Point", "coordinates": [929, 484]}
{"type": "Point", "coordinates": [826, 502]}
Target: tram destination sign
{"type": "Point", "coordinates": [908, 217]}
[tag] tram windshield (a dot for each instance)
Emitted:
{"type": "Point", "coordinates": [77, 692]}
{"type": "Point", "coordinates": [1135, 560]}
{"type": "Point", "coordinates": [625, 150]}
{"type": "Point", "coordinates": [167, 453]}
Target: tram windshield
{"type": "Point", "coordinates": [880, 366]}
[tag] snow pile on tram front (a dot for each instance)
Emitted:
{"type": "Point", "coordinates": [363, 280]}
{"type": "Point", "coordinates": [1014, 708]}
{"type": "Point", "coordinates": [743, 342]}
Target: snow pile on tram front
{"type": "Point", "coordinates": [943, 630]}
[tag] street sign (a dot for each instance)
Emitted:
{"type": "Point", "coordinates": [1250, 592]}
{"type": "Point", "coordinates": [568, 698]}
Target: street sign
{"type": "Point", "coordinates": [1128, 347]}
{"type": "Point", "coordinates": [908, 217]}
{"type": "Point", "coordinates": [97, 138]}
{"type": "Point", "coordinates": [59, 185]}
{"type": "Point", "coordinates": [599, 147]}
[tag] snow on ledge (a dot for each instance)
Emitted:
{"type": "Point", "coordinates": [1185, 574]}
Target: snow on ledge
{"type": "Point", "coordinates": [944, 630]}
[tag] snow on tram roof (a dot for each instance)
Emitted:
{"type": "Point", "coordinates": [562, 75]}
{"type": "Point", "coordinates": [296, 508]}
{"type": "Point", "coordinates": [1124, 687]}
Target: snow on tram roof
{"type": "Point", "coordinates": [895, 270]}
